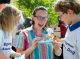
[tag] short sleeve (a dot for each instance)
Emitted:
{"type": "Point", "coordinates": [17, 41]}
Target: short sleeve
{"type": "Point", "coordinates": [20, 41]}
{"type": "Point", "coordinates": [1, 37]}
{"type": "Point", "coordinates": [0, 40]}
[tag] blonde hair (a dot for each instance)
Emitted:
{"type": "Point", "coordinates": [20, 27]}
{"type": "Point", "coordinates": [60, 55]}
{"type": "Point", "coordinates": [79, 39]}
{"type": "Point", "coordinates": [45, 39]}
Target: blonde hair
{"type": "Point", "coordinates": [9, 17]}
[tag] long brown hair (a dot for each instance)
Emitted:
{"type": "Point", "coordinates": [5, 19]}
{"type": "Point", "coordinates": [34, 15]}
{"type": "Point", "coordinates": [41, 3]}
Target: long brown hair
{"type": "Point", "coordinates": [9, 17]}
{"type": "Point", "coordinates": [63, 6]}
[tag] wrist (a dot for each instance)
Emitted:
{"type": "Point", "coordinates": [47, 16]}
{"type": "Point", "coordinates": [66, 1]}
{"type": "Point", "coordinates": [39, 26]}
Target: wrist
{"type": "Point", "coordinates": [33, 47]}
{"type": "Point", "coordinates": [58, 48]}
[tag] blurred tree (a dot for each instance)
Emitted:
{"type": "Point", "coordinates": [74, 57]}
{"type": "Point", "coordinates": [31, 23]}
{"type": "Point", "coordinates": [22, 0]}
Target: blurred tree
{"type": "Point", "coordinates": [27, 7]}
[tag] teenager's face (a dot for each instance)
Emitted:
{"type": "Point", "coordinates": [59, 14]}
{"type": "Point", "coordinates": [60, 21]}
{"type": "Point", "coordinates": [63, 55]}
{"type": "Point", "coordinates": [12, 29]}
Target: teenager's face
{"type": "Point", "coordinates": [65, 17]}
{"type": "Point", "coordinates": [40, 19]}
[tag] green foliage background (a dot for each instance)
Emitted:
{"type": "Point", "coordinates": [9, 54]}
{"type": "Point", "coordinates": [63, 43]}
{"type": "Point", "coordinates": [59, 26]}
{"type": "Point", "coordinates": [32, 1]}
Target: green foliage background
{"type": "Point", "coordinates": [27, 7]}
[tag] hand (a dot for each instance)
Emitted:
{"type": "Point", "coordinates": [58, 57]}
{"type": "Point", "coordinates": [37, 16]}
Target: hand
{"type": "Point", "coordinates": [57, 45]}
{"type": "Point", "coordinates": [35, 41]}
{"type": "Point", "coordinates": [15, 54]}
{"type": "Point", "coordinates": [47, 36]}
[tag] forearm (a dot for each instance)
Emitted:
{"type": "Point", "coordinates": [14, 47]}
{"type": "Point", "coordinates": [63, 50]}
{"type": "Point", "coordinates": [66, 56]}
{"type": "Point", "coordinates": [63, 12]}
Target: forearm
{"type": "Point", "coordinates": [28, 51]}
{"type": "Point", "coordinates": [58, 51]}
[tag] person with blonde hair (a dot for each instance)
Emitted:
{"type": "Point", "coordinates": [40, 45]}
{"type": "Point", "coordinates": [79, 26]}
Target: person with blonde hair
{"type": "Point", "coordinates": [9, 18]}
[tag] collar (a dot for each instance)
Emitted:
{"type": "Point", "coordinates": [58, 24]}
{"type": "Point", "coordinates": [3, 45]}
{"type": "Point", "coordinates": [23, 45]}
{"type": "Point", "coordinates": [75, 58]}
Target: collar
{"type": "Point", "coordinates": [74, 27]}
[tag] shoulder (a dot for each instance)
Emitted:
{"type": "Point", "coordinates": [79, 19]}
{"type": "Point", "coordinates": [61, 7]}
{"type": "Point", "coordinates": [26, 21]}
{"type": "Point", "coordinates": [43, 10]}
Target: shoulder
{"type": "Point", "coordinates": [27, 29]}
{"type": "Point", "coordinates": [1, 36]}
{"type": "Point", "coordinates": [25, 32]}
{"type": "Point", "coordinates": [77, 31]}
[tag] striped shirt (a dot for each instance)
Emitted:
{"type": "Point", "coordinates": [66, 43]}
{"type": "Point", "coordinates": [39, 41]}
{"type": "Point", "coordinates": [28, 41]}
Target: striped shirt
{"type": "Point", "coordinates": [44, 49]}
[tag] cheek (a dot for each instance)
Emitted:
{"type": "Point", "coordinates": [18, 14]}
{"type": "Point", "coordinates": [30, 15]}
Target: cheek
{"type": "Point", "coordinates": [35, 21]}
{"type": "Point", "coordinates": [63, 18]}
{"type": "Point", "coordinates": [45, 22]}
{"type": "Point", "coordinates": [66, 21]}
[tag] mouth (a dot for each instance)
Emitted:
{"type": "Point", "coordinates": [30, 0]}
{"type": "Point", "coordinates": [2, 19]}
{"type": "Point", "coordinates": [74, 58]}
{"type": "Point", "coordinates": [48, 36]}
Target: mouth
{"type": "Point", "coordinates": [40, 25]}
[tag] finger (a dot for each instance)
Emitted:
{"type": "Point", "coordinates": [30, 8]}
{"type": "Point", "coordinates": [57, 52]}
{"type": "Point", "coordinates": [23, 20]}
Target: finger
{"type": "Point", "coordinates": [38, 38]}
{"type": "Point", "coordinates": [36, 43]}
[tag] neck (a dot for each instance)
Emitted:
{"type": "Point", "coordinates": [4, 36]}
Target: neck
{"type": "Point", "coordinates": [75, 20]}
{"type": "Point", "coordinates": [38, 32]}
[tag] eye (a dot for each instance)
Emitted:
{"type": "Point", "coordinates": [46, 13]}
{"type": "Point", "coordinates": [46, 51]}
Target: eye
{"type": "Point", "coordinates": [41, 18]}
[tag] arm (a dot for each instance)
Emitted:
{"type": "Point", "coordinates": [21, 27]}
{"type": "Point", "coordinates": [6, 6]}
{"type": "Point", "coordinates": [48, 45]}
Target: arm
{"type": "Point", "coordinates": [57, 38]}
{"type": "Point", "coordinates": [14, 54]}
{"type": "Point", "coordinates": [57, 48]}
{"type": "Point", "coordinates": [28, 50]}
{"type": "Point", "coordinates": [2, 56]}
{"type": "Point", "coordinates": [58, 51]}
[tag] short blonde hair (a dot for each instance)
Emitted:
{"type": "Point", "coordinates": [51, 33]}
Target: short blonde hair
{"type": "Point", "coordinates": [9, 17]}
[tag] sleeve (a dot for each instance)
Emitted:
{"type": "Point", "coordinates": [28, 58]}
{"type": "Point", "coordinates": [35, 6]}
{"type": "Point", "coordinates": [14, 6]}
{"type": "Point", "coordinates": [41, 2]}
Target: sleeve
{"type": "Point", "coordinates": [1, 37]}
{"type": "Point", "coordinates": [20, 40]}
{"type": "Point", "coordinates": [0, 40]}
{"type": "Point", "coordinates": [78, 44]}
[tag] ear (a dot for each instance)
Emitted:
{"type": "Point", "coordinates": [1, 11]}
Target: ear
{"type": "Point", "coordinates": [32, 17]}
{"type": "Point", "coordinates": [70, 12]}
